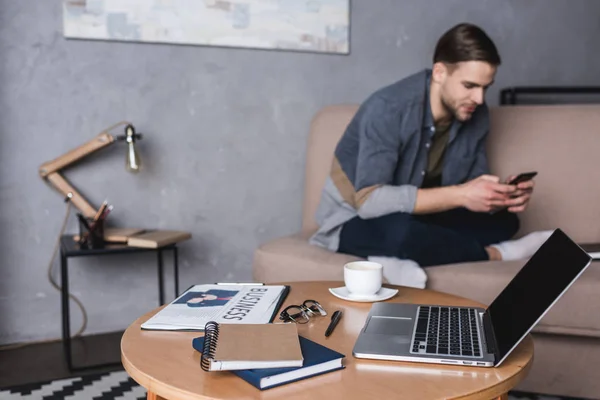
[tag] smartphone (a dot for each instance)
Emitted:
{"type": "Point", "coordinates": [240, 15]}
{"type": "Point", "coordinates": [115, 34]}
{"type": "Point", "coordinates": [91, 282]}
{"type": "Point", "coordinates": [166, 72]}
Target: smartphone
{"type": "Point", "coordinates": [524, 177]}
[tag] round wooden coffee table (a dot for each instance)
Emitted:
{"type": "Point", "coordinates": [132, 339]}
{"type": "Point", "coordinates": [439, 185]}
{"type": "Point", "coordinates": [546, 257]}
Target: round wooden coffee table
{"type": "Point", "coordinates": [168, 367]}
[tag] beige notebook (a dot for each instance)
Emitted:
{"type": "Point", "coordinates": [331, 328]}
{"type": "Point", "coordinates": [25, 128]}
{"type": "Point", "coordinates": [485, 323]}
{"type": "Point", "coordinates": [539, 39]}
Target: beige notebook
{"type": "Point", "coordinates": [250, 346]}
{"type": "Point", "coordinates": [157, 238]}
{"type": "Point", "coordinates": [120, 234]}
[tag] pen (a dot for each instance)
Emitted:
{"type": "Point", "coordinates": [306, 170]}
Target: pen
{"type": "Point", "coordinates": [106, 211]}
{"type": "Point", "coordinates": [100, 210]}
{"type": "Point", "coordinates": [240, 283]}
{"type": "Point", "coordinates": [335, 318]}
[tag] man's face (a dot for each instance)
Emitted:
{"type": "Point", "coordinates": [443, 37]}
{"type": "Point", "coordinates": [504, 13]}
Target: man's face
{"type": "Point", "coordinates": [463, 86]}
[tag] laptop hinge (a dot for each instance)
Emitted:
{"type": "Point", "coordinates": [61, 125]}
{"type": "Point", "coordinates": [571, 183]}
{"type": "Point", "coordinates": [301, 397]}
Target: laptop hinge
{"type": "Point", "coordinates": [490, 338]}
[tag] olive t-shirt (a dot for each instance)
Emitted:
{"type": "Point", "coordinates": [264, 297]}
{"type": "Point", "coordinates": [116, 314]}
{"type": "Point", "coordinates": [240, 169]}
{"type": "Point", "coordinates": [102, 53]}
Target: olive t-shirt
{"type": "Point", "coordinates": [435, 163]}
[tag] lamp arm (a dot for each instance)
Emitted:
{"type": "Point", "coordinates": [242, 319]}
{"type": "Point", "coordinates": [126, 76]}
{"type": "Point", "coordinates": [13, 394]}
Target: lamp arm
{"type": "Point", "coordinates": [61, 184]}
{"type": "Point", "coordinates": [49, 170]}
{"type": "Point", "coordinates": [100, 141]}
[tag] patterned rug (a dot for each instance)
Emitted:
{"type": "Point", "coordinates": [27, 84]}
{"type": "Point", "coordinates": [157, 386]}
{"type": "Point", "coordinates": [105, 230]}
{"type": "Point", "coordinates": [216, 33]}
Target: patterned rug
{"type": "Point", "coordinates": [119, 386]}
{"type": "Point", "coordinates": [108, 386]}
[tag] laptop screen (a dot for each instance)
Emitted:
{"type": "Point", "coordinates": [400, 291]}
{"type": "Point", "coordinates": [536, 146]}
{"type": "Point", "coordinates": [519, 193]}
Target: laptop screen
{"type": "Point", "coordinates": [541, 281]}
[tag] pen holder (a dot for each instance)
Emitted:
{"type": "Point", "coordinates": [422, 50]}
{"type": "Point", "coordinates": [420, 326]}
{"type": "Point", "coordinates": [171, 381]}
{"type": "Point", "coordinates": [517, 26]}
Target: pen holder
{"type": "Point", "coordinates": [91, 233]}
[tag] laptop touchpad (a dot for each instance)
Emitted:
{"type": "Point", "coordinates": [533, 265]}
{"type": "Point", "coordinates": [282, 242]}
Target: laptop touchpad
{"type": "Point", "coordinates": [390, 326]}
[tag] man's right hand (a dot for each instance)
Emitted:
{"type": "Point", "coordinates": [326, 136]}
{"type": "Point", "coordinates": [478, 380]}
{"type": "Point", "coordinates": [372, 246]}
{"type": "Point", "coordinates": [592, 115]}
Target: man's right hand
{"type": "Point", "coordinates": [486, 194]}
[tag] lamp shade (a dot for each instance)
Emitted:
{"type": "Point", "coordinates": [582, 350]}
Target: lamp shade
{"type": "Point", "coordinates": [133, 162]}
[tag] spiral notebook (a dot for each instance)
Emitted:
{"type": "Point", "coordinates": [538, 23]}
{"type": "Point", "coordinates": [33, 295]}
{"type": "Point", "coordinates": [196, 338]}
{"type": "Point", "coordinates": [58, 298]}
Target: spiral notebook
{"type": "Point", "coordinates": [318, 360]}
{"type": "Point", "coordinates": [230, 347]}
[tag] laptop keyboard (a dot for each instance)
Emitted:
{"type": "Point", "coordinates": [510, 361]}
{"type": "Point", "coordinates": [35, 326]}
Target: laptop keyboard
{"type": "Point", "coordinates": [446, 331]}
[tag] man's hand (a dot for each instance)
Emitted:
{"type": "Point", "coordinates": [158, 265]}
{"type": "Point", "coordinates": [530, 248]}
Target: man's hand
{"type": "Point", "coordinates": [487, 194]}
{"type": "Point", "coordinates": [520, 197]}
{"type": "Point", "coordinates": [482, 194]}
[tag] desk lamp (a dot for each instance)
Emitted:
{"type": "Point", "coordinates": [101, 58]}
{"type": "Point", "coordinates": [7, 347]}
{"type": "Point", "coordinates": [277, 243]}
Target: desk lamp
{"type": "Point", "coordinates": [51, 170]}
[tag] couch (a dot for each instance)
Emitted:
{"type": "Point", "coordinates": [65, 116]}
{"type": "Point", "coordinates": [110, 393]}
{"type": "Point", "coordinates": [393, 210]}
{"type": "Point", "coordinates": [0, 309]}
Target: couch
{"type": "Point", "coordinates": [562, 143]}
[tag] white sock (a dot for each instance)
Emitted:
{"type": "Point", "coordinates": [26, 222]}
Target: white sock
{"type": "Point", "coordinates": [401, 272]}
{"type": "Point", "coordinates": [523, 247]}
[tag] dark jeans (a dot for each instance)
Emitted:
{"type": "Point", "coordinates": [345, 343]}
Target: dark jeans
{"type": "Point", "coordinates": [453, 236]}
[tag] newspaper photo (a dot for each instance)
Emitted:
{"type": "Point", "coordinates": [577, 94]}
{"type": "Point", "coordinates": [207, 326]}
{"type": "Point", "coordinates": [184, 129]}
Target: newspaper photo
{"type": "Point", "coordinates": [226, 304]}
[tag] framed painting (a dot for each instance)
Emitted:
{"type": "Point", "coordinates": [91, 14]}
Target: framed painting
{"type": "Point", "coordinates": [300, 25]}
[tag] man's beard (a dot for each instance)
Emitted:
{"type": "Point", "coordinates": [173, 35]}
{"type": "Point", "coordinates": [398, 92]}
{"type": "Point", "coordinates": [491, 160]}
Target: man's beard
{"type": "Point", "coordinates": [451, 110]}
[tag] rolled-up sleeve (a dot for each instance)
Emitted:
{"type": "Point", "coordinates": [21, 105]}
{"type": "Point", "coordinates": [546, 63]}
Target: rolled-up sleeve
{"type": "Point", "coordinates": [379, 150]}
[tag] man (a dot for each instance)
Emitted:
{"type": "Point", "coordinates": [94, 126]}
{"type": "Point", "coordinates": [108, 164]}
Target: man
{"type": "Point", "coordinates": [410, 177]}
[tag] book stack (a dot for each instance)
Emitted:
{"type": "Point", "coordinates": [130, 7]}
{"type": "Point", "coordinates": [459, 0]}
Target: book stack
{"type": "Point", "coordinates": [264, 355]}
{"type": "Point", "coordinates": [138, 237]}
{"type": "Point", "coordinates": [157, 238]}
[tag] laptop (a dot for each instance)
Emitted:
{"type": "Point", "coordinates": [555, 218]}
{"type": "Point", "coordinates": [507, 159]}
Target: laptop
{"type": "Point", "coordinates": [475, 336]}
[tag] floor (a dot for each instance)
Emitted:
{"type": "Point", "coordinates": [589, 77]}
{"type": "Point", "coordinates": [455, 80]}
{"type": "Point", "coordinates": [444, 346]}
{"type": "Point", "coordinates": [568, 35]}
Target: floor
{"type": "Point", "coordinates": [45, 361]}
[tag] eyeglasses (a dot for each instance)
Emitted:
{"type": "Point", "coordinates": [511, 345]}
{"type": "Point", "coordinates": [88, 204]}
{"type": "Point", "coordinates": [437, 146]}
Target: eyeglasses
{"type": "Point", "coordinates": [301, 314]}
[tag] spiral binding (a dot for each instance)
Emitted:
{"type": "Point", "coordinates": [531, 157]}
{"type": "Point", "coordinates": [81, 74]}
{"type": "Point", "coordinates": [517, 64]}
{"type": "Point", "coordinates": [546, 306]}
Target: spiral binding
{"type": "Point", "coordinates": [211, 336]}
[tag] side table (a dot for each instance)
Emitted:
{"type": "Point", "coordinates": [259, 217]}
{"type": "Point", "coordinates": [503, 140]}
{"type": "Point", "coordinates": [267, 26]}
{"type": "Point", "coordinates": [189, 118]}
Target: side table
{"type": "Point", "coordinates": [70, 248]}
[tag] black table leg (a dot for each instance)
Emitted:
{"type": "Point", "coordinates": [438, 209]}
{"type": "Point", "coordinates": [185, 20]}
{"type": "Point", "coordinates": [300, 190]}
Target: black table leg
{"type": "Point", "coordinates": [161, 294]}
{"type": "Point", "coordinates": [176, 270]}
{"type": "Point", "coordinates": [66, 323]}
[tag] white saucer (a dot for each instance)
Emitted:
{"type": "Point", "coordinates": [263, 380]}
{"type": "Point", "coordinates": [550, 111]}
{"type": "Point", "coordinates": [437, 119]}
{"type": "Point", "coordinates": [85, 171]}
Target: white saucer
{"type": "Point", "coordinates": [382, 294]}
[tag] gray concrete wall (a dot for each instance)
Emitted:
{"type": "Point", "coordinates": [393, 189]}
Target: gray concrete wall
{"type": "Point", "coordinates": [225, 133]}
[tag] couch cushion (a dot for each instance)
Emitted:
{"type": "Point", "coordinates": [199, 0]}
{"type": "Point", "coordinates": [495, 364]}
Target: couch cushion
{"type": "Point", "coordinates": [562, 143]}
{"type": "Point", "coordinates": [292, 258]}
{"type": "Point", "coordinates": [576, 312]}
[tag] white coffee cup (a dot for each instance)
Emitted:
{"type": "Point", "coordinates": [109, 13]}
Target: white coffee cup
{"type": "Point", "coordinates": [363, 278]}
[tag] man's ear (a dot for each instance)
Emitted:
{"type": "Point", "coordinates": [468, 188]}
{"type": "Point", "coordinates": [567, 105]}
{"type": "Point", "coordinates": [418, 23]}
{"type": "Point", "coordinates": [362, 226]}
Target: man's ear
{"type": "Point", "coordinates": [439, 72]}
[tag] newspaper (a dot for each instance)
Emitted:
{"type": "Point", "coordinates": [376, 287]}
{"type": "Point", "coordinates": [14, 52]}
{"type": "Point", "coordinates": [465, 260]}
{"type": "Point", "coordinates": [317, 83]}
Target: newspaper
{"type": "Point", "coordinates": [227, 304]}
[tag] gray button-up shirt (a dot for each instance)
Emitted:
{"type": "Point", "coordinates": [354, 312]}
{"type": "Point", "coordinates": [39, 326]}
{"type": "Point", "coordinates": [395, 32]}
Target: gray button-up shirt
{"type": "Point", "coordinates": [381, 159]}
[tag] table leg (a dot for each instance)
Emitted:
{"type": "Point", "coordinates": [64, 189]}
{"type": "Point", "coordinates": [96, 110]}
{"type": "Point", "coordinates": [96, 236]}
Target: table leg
{"type": "Point", "coordinates": [154, 396]}
{"type": "Point", "coordinates": [65, 313]}
{"type": "Point", "coordinates": [176, 270]}
{"type": "Point", "coordinates": [161, 294]}
{"type": "Point", "coordinates": [503, 397]}
{"type": "Point", "coordinates": [66, 320]}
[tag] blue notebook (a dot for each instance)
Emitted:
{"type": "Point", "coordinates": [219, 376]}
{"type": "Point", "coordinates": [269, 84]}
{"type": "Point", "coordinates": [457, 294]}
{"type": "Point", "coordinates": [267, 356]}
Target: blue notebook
{"type": "Point", "coordinates": [318, 360]}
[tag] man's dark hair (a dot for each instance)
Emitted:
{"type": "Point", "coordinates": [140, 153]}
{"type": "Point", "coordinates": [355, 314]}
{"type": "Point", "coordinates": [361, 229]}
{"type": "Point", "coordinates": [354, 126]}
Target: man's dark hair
{"type": "Point", "coordinates": [466, 42]}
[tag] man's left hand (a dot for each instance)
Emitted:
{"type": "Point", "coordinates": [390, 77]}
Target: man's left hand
{"type": "Point", "coordinates": [521, 196]}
